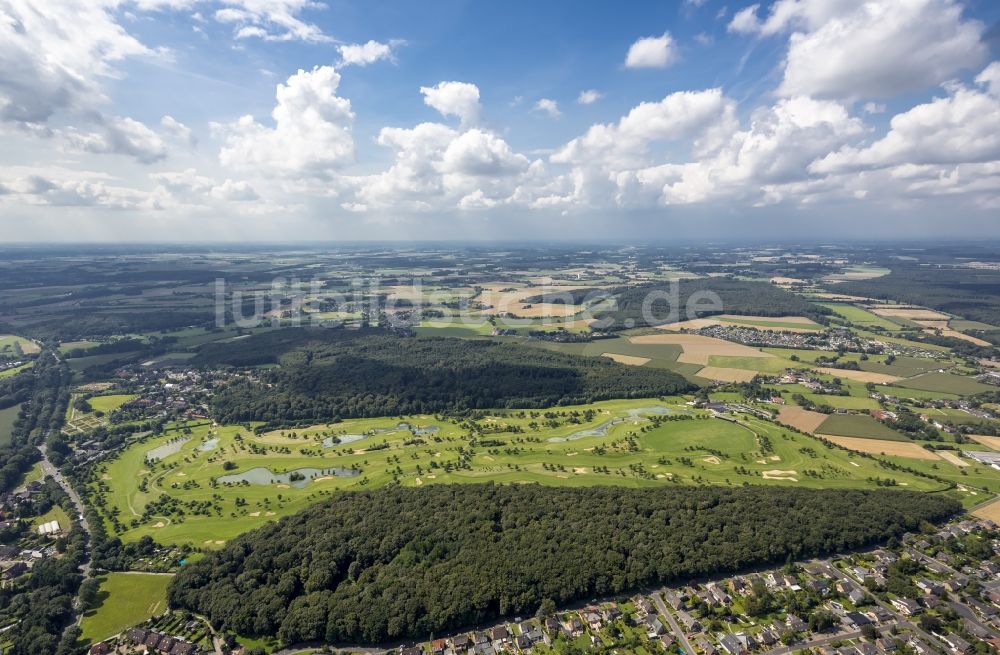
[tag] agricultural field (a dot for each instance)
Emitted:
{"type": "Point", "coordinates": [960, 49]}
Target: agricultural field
{"type": "Point", "coordinates": [860, 317]}
{"type": "Point", "coordinates": [223, 480]}
{"type": "Point", "coordinates": [9, 345]}
{"type": "Point", "coordinates": [945, 383]}
{"type": "Point", "coordinates": [858, 425]}
{"type": "Point", "coordinates": [109, 403]}
{"type": "Point", "coordinates": [124, 599]}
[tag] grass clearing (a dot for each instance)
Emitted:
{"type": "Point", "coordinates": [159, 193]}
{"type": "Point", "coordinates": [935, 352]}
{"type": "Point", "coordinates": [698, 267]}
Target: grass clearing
{"type": "Point", "coordinates": [124, 599]}
{"type": "Point", "coordinates": [7, 418]}
{"type": "Point", "coordinates": [859, 376]}
{"type": "Point", "coordinates": [110, 403]}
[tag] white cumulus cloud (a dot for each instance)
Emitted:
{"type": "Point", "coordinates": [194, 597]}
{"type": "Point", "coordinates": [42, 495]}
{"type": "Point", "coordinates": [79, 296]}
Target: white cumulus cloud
{"type": "Point", "coordinates": [460, 99]}
{"type": "Point", "coordinates": [652, 52]}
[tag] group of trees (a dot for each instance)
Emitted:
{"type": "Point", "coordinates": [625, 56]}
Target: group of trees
{"type": "Point", "coordinates": [400, 562]}
{"type": "Point", "coordinates": [737, 296]}
{"type": "Point", "coordinates": [330, 374]}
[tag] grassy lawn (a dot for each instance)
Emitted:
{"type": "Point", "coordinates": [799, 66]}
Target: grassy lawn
{"type": "Point", "coordinates": [55, 514]}
{"type": "Point", "coordinates": [858, 425]}
{"type": "Point", "coordinates": [7, 418]}
{"type": "Point", "coordinates": [608, 443]}
{"type": "Point", "coordinates": [108, 404]}
{"type": "Point", "coordinates": [124, 600]}
{"type": "Point", "coordinates": [945, 383]}
{"type": "Point", "coordinates": [840, 402]}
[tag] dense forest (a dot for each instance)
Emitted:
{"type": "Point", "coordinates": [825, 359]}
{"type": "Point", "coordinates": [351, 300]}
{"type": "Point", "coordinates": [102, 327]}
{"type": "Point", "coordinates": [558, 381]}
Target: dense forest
{"type": "Point", "coordinates": [967, 292]}
{"type": "Point", "coordinates": [738, 297]}
{"type": "Point", "coordinates": [400, 562]}
{"type": "Point", "coordinates": [326, 374]}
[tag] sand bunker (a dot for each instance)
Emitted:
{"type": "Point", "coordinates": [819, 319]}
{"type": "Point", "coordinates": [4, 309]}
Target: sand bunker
{"type": "Point", "coordinates": [254, 513]}
{"type": "Point", "coordinates": [159, 524]}
{"type": "Point", "coordinates": [712, 459]}
{"type": "Point", "coordinates": [777, 474]}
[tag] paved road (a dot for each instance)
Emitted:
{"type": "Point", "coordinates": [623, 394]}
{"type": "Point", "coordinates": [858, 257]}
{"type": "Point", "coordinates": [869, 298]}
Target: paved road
{"type": "Point", "coordinates": [681, 637]}
{"type": "Point", "coordinates": [902, 621]}
{"type": "Point", "coordinates": [814, 643]}
{"type": "Point", "coordinates": [49, 469]}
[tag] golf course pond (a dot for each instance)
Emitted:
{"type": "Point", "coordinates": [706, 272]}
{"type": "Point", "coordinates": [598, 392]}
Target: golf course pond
{"type": "Point", "coordinates": [298, 478]}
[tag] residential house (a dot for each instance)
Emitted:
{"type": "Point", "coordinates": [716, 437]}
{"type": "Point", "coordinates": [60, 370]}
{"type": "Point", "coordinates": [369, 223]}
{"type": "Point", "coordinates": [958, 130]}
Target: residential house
{"type": "Point", "coordinates": [907, 606]}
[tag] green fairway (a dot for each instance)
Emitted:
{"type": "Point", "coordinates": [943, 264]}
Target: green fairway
{"type": "Point", "coordinates": [124, 600]}
{"type": "Point", "coordinates": [945, 383]}
{"type": "Point", "coordinates": [858, 425]}
{"type": "Point", "coordinates": [185, 496]}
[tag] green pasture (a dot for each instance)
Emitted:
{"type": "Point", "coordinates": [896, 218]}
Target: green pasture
{"type": "Point", "coordinates": [858, 425]}
{"type": "Point", "coordinates": [945, 383]}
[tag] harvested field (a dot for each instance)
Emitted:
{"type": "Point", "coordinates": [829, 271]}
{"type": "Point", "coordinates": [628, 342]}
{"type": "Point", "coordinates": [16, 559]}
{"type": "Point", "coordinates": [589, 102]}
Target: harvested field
{"type": "Point", "coordinates": [721, 374]}
{"type": "Point", "coordinates": [911, 313]}
{"type": "Point", "coordinates": [882, 447]}
{"type": "Point", "coordinates": [630, 360]}
{"type": "Point", "coordinates": [769, 319]}
{"type": "Point", "coordinates": [697, 349]}
{"type": "Point", "coordinates": [951, 457]}
{"type": "Point", "coordinates": [801, 418]}
{"type": "Point", "coordinates": [955, 334]}
{"type": "Point", "coordinates": [990, 511]}
{"type": "Point", "coordinates": [860, 376]}
{"type": "Point", "coordinates": [936, 325]}
{"type": "Point", "coordinates": [692, 324]}
{"type": "Point", "coordinates": [989, 442]}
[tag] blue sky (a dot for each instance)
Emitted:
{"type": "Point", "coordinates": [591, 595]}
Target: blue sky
{"type": "Point", "coordinates": [152, 119]}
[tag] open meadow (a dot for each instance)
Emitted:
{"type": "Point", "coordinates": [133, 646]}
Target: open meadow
{"type": "Point", "coordinates": [123, 600]}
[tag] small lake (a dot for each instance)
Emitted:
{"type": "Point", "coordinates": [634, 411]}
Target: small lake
{"type": "Point", "coordinates": [261, 475]}
{"type": "Point", "coordinates": [210, 444]}
{"type": "Point", "coordinates": [601, 430]}
{"type": "Point", "coordinates": [166, 450]}
{"type": "Point", "coordinates": [351, 438]}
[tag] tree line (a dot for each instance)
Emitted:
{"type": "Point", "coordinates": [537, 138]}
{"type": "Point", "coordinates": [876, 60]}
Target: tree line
{"type": "Point", "coordinates": [331, 374]}
{"type": "Point", "coordinates": [398, 562]}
